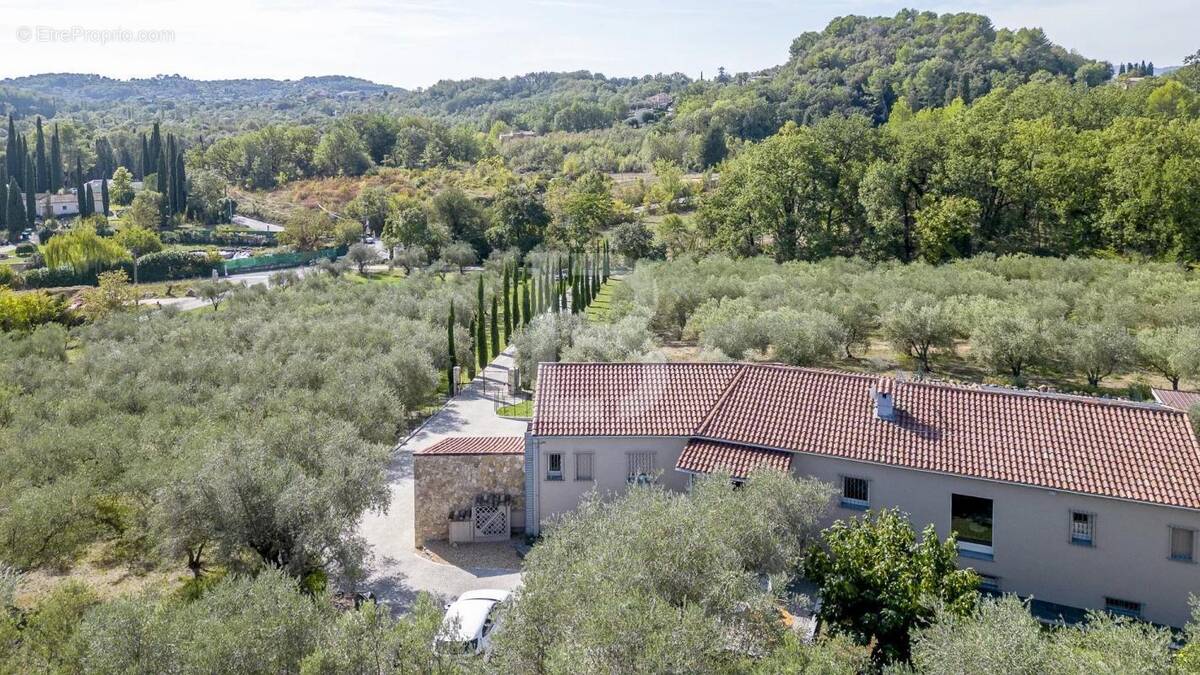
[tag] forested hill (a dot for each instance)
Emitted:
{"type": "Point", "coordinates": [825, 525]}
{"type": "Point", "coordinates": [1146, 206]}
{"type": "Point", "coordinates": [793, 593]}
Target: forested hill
{"type": "Point", "coordinates": [92, 90]}
{"type": "Point", "coordinates": [857, 64]}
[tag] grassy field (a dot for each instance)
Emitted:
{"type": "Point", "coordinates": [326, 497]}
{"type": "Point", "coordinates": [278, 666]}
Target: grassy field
{"type": "Point", "coordinates": [598, 310]}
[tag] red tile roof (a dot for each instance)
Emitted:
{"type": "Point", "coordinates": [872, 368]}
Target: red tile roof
{"type": "Point", "coordinates": [476, 445]}
{"type": "Point", "coordinates": [627, 399]}
{"type": "Point", "coordinates": [1179, 400]}
{"type": "Point", "coordinates": [738, 461]}
{"type": "Point", "coordinates": [1142, 452]}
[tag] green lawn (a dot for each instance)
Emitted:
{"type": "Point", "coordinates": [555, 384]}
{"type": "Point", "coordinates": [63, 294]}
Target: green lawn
{"type": "Point", "coordinates": [522, 409]}
{"type": "Point", "coordinates": [598, 310]}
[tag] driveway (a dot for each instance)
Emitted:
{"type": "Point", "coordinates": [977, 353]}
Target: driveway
{"type": "Point", "coordinates": [396, 572]}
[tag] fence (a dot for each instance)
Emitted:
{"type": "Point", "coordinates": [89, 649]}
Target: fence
{"type": "Point", "coordinates": [279, 260]}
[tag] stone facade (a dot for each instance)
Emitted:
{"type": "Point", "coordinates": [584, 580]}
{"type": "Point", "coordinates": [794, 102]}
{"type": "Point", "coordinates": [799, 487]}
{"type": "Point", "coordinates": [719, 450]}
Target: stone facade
{"type": "Point", "coordinates": [445, 483]}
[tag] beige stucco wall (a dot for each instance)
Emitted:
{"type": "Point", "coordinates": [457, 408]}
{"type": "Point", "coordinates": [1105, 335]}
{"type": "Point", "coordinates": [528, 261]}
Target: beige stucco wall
{"type": "Point", "coordinates": [1031, 537]}
{"type": "Point", "coordinates": [444, 483]}
{"type": "Point", "coordinates": [609, 468]}
{"type": "Point", "coordinates": [1031, 543]}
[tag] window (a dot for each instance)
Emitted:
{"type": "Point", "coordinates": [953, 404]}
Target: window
{"type": "Point", "coordinates": [1183, 542]}
{"type": "Point", "coordinates": [1083, 528]}
{"type": "Point", "coordinates": [554, 466]}
{"type": "Point", "coordinates": [583, 466]}
{"type": "Point", "coordinates": [641, 467]}
{"type": "Point", "coordinates": [1123, 607]}
{"type": "Point", "coordinates": [855, 493]}
{"type": "Point", "coordinates": [971, 520]}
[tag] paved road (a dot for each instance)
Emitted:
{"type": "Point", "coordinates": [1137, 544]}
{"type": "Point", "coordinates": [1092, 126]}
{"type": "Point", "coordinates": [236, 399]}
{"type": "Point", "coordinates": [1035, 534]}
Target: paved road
{"type": "Point", "coordinates": [247, 278]}
{"type": "Point", "coordinates": [396, 571]}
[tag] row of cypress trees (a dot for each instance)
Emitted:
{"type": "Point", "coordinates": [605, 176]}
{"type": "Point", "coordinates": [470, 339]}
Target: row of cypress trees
{"type": "Point", "coordinates": [37, 170]}
{"type": "Point", "coordinates": [569, 285]}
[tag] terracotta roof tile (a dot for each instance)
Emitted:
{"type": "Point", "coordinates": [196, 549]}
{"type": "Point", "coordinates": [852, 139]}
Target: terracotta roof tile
{"type": "Point", "coordinates": [1179, 400]}
{"type": "Point", "coordinates": [738, 461]}
{"type": "Point", "coordinates": [627, 399]}
{"type": "Point", "coordinates": [1115, 449]}
{"type": "Point", "coordinates": [476, 445]}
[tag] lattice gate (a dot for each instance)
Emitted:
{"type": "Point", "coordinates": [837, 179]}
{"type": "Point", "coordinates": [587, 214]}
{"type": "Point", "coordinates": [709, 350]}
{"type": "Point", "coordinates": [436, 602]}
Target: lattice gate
{"type": "Point", "coordinates": [491, 522]}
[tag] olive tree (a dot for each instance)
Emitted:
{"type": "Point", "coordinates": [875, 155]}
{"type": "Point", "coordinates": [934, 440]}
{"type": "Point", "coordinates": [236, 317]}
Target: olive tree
{"type": "Point", "coordinates": [1098, 350]}
{"type": "Point", "coordinates": [1010, 341]}
{"type": "Point", "coordinates": [1001, 636]}
{"type": "Point", "coordinates": [804, 338]}
{"type": "Point", "coordinates": [668, 581]}
{"type": "Point", "coordinates": [362, 255]}
{"type": "Point", "coordinates": [918, 327]}
{"type": "Point", "coordinates": [1173, 351]}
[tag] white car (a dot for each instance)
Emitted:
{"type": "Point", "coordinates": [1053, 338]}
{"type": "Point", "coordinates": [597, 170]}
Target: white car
{"type": "Point", "coordinates": [470, 620]}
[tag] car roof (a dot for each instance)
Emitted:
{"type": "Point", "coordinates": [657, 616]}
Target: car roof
{"type": "Point", "coordinates": [469, 615]}
{"type": "Point", "coordinates": [486, 594]}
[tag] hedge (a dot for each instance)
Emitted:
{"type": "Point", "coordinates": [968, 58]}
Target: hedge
{"type": "Point", "coordinates": [217, 237]}
{"type": "Point", "coordinates": [152, 267]}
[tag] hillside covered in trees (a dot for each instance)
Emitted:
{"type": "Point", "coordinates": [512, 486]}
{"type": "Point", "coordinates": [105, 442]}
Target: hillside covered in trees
{"type": "Point", "coordinates": [857, 64]}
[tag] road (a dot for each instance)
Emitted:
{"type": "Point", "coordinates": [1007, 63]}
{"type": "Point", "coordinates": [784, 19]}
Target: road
{"type": "Point", "coordinates": [396, 571]}
{"type": "Point", "coordinates": [246, 279]}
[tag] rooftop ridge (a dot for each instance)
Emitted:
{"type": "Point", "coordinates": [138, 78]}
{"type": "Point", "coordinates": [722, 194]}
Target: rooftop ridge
{"type": "Point", "coordinates": [716, 406]}
{"type": "Point", "coordinates": [895, 380]}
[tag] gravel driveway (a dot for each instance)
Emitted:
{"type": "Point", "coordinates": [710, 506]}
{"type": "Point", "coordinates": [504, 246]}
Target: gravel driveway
{"type": "Point", "coordinates": [396, 571]}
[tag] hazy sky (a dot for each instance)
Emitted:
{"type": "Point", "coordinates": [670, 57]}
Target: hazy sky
{"type": "Point", "coordinates": [416, 43]}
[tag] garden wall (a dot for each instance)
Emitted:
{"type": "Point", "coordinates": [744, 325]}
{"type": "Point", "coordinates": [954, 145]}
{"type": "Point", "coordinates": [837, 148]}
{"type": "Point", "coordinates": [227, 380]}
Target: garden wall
{"type": "Point", "coordinates": [445, 483]}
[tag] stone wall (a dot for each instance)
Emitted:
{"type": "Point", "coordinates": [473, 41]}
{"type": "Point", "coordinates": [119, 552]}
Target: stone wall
{"type": "Point", "coordinates": [445, 483]}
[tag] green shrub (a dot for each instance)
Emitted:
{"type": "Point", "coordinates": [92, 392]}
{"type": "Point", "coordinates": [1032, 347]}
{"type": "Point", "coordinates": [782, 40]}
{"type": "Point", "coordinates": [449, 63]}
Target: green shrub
{"type": "Point", "coordinates": [171, 265]}
{"type": "Point", "coordinates": [24, 311]}
{"type": "Point", "coordinates": [26, 248]}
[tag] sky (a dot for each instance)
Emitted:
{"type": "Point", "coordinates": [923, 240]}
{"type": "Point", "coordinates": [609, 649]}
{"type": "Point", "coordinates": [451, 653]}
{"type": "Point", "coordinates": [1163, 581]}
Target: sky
{"type": "Point", "coordinates": [414, 43]}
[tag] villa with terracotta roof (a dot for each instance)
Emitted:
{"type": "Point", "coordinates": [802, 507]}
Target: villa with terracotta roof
{"type": "Point", "coordinates": [1083, 502]}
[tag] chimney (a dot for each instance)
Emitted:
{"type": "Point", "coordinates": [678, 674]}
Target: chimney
{"type": "Point", "coordinates": [885, 405]}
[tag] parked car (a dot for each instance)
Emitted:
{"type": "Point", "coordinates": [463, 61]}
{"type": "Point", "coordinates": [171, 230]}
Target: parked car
{"type": "Point", "coordinates": [470, 620]}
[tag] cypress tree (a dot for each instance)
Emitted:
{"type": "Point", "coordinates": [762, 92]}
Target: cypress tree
{"type": "Point", "coordinates": [526, 289]}
{"type": "Point", "coordinates": [104, 195]}
{"type": "Point", "coordinates": [91, 199]}
{"type": "Point", "coordinates": [518, 316]}
{"type": "Point", "coordinates": [4, 209]}
{"type": "Point", "coordinates": [606, 264]}
{"type": "Point", "coordinates": [56, 162]}
{"type": "Point", "coordinates": [508, 327]}
{"type": "Point", "coordinates": [481, 329]}
{"type": "Point", "coordinates": [475, 352]}
{"type": "Point", "coordinates": [145, 165]}
{"type": "Point", "coordinates": [12, 151]}
{"type": "Point", "coordinates": [29, 180]}
{"type": "Point", "coordinates": [43, 167]}
{"type": "Point", "coordinates": [1150, 68]}
{"type": "Point", "coordinates": [31, 207]}
{"type": "Point", "coordinates": [495, 326]}
{"type": "Point", "coordinates": [181, 181]}
{"type": "Point", "coordinates": [15, 215]}
{"type": "Point", "coordinates": [80, 192]}
{"type": "Point", "coordinates": [451, 350]}
{"type": "Point", "coordinates": [156, 153]}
